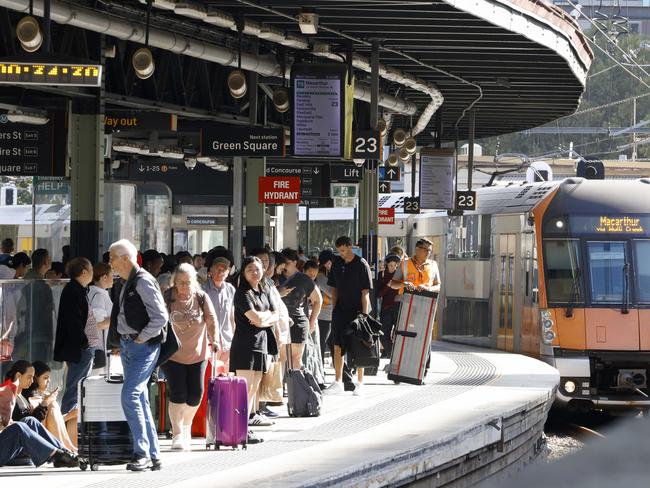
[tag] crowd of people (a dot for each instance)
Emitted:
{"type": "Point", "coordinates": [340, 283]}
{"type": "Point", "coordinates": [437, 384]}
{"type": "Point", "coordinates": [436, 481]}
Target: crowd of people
{"type": "Point", "coordinates": [278, 309]}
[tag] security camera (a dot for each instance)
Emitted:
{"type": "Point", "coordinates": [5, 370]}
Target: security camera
{"type": "Point", "coordinates": [190, 163]}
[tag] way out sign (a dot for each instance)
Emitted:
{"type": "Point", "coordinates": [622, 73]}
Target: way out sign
{"type": "Point", "coordinates": [274, 189]}
{"type": "Point", "coordinates": [386, 215]}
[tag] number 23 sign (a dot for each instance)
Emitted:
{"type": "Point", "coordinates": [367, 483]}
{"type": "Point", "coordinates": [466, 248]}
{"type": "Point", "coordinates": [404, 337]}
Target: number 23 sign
{"type": "Point", "coordinates": [466, 200]}
{"type": "Point", "coordinates": [366, 144]}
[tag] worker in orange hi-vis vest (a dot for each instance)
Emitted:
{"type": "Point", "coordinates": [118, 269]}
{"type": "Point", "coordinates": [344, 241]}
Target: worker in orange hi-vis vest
{"type": "Point", "coordinates": [418, 273]}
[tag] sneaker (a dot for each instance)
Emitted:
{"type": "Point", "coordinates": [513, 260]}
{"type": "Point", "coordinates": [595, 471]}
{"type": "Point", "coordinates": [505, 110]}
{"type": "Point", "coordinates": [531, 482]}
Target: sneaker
{"type": "Point", "coordinates": [63, 459]}
{"type": "Point", "coordinates": [187, 438]}
{"type": "Point", "coordinates": [253, 439]}
{"type": "Point", "coordinates": [358, 389]}
{"type": "Point", "coordinates": [336, 388]}
{"type": "Point", "coordinates": [178, 442]}
{"type": "Point", "coordinates": [267, 412]}
{"type": "Point", "coordinates": [260, 420]}
{"type": "Point", "coordinates": [140, 464]}
{"type": "Point", "coordinates": [156, 464]}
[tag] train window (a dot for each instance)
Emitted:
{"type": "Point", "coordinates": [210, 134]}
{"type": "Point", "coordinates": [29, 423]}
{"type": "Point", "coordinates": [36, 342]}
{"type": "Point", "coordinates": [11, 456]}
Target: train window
{"type": "Point", "coordinates": [642, 271]}
{"type": "Point", "coordinates": [606, 263]}
{"type": "Point", "coordinates": [562, 262]}
{"type": "Point", "coordinates": [468, 237]}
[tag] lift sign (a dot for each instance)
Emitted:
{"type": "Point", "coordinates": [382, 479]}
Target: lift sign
{"type": "Point", "coordinates": [278, 190]}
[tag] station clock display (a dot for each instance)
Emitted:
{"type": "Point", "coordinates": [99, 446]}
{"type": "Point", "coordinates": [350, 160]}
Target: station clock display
{"type": "Point", "coordinates": [20, 73]}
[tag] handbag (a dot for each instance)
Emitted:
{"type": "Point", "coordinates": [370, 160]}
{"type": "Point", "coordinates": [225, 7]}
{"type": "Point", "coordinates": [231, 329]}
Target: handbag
{"type": "Point", "coordinates": [169, 345]}
{"type": "Point", "coordinates": [271, 385]}
{"type": "Point", "coordinates": [363, 342]}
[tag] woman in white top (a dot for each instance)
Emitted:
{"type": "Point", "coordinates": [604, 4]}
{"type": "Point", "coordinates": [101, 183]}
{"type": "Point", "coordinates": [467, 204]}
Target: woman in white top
{"type": "Point", "coordinates": [100, 304]}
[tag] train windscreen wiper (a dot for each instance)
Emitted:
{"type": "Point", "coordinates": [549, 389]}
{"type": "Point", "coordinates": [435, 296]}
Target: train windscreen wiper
{"type": "Point", "coordinates": [575, 290]}
{"type": "Point", "coordinates": [626, 289]}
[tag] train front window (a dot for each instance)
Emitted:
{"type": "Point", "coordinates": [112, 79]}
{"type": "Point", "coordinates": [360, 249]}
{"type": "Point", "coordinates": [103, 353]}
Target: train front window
{"type": "Point", "coordinates": [642, 271]}
{"type": "Point", "coordinates": [562, 262]}
{"type": "Point", "coordinates": [606, 271]}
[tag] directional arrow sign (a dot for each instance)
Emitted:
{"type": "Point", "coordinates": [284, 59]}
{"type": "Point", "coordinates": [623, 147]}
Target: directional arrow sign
{"type": "Point", "coordinates": [384, 187]}
{"type": "Point", "coordinates": [392, 174]}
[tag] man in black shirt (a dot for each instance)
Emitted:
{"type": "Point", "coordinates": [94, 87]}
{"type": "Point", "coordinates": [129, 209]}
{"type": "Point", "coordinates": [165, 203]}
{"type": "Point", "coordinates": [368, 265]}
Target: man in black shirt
{"type": "Point", "coordinates": [351, 283]}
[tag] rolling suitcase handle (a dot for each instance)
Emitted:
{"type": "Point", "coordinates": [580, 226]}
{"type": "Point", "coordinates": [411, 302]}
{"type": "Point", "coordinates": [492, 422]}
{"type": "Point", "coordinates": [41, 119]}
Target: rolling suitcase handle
{"type": "Point", "coordinates": [107, 372]}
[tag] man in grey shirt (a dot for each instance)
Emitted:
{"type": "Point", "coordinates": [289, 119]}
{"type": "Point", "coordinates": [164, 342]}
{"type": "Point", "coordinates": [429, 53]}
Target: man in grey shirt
{"type": "Point", "coordinates": [137, 321]}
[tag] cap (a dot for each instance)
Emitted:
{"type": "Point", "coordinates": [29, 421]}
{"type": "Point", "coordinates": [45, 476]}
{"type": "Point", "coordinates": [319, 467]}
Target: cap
{"type": "Point", "coordinates": [392, 257]}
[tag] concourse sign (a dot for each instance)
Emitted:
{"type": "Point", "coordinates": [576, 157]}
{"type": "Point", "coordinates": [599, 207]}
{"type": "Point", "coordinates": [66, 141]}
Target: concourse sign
{"type": "Point", "coordinates": [310, 176]}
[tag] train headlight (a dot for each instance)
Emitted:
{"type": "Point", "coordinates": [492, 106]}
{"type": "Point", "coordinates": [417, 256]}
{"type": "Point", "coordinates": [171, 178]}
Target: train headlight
{"type": "Point", "coordinates": [547, 323]}
{"type": "Point", "coordinates": [549, 337]}
{"type": "Point", "coordinates": [546, 314]}
{"type": "Point", "coordinates": [569, 386]}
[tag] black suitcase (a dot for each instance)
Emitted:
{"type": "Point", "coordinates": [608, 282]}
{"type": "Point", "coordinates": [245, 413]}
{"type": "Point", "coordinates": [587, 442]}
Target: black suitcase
{"type": "Point", "coordinates": [104, 436]}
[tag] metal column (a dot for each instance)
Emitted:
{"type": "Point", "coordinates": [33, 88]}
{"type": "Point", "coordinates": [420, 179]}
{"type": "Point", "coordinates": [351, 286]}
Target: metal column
{"type": "Point", "coordinates": [237, 210]}
{"type": "Point", "coordinates": [87, 185]}
{"type": "Point", "coordinates": [255, 211]}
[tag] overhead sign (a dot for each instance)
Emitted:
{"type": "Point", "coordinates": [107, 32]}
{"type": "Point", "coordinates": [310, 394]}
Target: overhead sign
{"type": "Point", "coordinates": [317, 202]}
{"type": "Point", "coordinates": [121, 120]}
{"type": "Point", "coordinates": [389, 173]}
{"type": "Point", "coordinates": [273, 189]}
{"type": "Point", "coordinates": [366, 144]}
{"type": "Point", "coordinates": [437, 178]}
{"type": "Point", "coordinates": [411, 205]}
{"type": "Point", "coordinates": [46, 185]}
{"type": "Point", "coordinates": [319, 113]}
{"type": "Point", "coordinates": [25, 150]}
{"type": "Point", "coordinates": [345, 172]}
{"type": "Point", "coordinates": [228, 141]}
{"type": "Point", "coordinates": [17, 73]}
{"type": "Point", "coordinates": [311, 176]}
{"type": "Point", "coordinates": [384, 187]}
{"type": "Point", "coordinates": [386, 215]}
{"type": "Point", "coordinates": [466, 200]}
{"type": "Point", "coordinates": [344, 190]}
{"type": "Point", "coordinates": [201, 220]}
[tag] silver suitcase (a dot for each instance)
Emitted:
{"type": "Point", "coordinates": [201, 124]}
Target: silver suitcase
{"type": "Point", "coordinates": [410, 352]}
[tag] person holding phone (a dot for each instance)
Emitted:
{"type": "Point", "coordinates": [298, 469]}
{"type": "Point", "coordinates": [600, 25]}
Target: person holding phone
{"type": "Point", "coordinates": [40, 392]}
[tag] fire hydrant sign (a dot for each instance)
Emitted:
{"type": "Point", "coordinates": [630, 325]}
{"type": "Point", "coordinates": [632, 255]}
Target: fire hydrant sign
{"type": "Point", "coordinates": [386, 215]}
{"type": "Point", "coordinates": [274, 189]}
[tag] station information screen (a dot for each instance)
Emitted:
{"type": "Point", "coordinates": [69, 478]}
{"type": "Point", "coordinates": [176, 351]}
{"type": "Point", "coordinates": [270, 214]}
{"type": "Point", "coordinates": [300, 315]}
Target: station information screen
{"type": "Point", "coordinates": [318, 124]}
{"type": "Point", "coordinates": [50, 74]}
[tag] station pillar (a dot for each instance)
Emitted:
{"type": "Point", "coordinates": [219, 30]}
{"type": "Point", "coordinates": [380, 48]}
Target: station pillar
{"type": "Point", "coordinates": [255, 211]}
{"type": "Point", "coordinates": [289, 236]}
{"type": "Point", "coordinates": [86, 185]}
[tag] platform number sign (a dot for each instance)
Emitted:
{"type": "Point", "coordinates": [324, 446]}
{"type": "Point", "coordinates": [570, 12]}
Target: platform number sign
{"type": "Point", "coordinates": [411, 205]}
{"type": "Point", "coordinates": [466, 200]}
{"type": "Point", "coordinates": [366, 144]}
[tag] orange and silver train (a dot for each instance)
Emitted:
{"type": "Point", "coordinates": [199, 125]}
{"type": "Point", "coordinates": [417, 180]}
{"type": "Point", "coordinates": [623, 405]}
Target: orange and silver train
{"type": "Point", "coordinates": [555, 270]}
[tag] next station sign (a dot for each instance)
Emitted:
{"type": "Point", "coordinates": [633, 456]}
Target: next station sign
{"type": "Point", "coordinates": [273, 189]}
{"type": "Point", "coordinates": [228, 141]}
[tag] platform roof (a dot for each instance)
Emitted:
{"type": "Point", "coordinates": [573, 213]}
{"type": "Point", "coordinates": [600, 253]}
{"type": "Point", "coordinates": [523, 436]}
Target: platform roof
{"type": "Point", "coordinates": [529, 57]}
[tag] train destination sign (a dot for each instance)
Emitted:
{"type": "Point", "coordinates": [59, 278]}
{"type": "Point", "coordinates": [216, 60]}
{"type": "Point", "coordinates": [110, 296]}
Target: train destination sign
{"type": "Point", "coordinates": [437, 178]}
{"type": "Point", "coordinates": [18, 73]}
{"type": "Point", "coordinates": [318, 123]}
{"type": "Point", "coordinates": [609, 224]}
{"type": "Point", "coordinates": [228, 141]}
{"type": "Point", "coordinates": [273, 189]}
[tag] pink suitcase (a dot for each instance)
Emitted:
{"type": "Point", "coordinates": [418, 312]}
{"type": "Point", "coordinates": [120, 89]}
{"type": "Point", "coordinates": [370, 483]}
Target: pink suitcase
{"type": "Point", "coordinates": [227, 412]}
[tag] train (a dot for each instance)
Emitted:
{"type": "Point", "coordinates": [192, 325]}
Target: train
{"type": "Point", "coordinates": [559, 271]}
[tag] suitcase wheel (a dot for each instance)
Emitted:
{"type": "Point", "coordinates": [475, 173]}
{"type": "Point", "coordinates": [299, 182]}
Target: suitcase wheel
{"type": "Point", "coordinates": [94, 467]}
{"type": "Point", "coordinates": [83, 466]}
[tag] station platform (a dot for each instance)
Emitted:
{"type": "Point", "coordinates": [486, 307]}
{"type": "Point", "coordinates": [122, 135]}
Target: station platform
{"type": "Point", "coordinates": [480, 414]}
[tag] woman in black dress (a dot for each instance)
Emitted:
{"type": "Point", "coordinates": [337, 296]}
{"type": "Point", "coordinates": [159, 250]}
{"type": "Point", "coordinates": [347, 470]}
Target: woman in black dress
{"type": "Point", "coordinates": [255, 317]}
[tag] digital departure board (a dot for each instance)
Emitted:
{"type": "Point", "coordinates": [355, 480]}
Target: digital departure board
{"type": "Point", "coordinates": [50, 74]}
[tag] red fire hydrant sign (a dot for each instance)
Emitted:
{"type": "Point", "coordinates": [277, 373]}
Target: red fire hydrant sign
{"type": "Point", "coordinates": [386, 215]}
{"type": "Point", "coordinates": [278, 189]}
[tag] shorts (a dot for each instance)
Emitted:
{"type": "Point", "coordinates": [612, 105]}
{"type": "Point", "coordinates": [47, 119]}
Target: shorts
{"type": "Point", "coordinates": [340, 328]}
{"type": "Point", "coordinates": [299, 331]}
{"type": "Point", "coordinates": [251, 361]}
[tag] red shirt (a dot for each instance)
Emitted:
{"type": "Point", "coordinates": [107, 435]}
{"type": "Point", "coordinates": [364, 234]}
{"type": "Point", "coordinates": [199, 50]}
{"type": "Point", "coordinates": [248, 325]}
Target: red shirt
{"type": "Point", "coordinates": [385, 292]}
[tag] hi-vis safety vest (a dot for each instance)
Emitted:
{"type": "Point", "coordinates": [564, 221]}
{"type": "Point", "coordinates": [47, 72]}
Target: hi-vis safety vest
{"type": "Point", "coordinates": [414, 275]}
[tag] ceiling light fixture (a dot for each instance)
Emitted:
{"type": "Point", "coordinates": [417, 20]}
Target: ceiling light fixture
{"type": "Point", "coordinates": [220, 19]}
{"type": "Point", "coordinates": [392, 160]}
{"type": "Point", "coordinates": [142, 60]}
{"type": "Point", "coordinates": [411, 145]}
{"type": "Point", "coordinates": [191, 10]}
{"type": "Point", "coordinates": [281, 99]}
{"type": "Point", "coordinates": [271, 34]}
{"type": "Point", "coordinates": [308, 23]}
{"type": "Point", "coordinates": [162, 4]}
{"type": "Point", "coordinates": [295, 42]}
{"type": "Point", "coordinates": [399, 137]}
{"type": "Point", "coordinates": [126, 147]}
{"type": "Point", "coordinates": [172, 153]}
{"type": "Point", "coordinates": [28, 32]}
{"type": "Point", "coordinates": [20, 117]}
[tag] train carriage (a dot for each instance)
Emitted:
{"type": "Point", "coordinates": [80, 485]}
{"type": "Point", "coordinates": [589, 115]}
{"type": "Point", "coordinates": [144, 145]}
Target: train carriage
{"type": "Point", "coordinates": [555, 270]}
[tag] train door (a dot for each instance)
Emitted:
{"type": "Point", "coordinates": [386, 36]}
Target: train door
{"type": "Point", "coordinates": [507, 254]}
